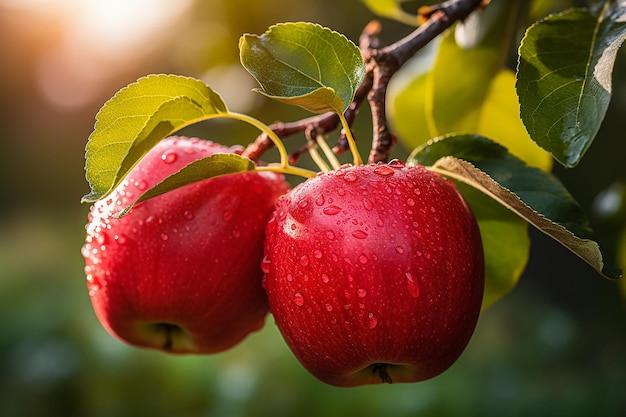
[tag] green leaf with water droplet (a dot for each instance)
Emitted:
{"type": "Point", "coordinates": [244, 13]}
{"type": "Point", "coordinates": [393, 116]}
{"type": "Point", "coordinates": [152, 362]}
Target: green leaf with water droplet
{"type": "Point", "coordinates": [136, 119]}
{"type": "Point", "coordinates": [535, 196]}
{"type": "Point", "coordinates": [210, 167]}
{"type": "Point", "coordinates": [564, 77]}
{"type": "Point", "coordinates": [304, 64]}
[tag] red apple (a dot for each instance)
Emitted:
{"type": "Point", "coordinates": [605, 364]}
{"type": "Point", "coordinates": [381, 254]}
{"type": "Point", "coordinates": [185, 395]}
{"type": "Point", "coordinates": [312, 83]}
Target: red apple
{"type": "Point", "coordinates": [374, 274]}
{"type": "Point", "coordinates": [181, 272]}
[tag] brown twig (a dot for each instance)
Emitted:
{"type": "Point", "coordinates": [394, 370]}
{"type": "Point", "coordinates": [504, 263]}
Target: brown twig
{"type": "Point", "coordinates": [381, 64]}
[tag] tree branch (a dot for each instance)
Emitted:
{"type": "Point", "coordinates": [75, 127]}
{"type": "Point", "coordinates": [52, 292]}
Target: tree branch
{"type": "Point", "coordinates": [381, 64]}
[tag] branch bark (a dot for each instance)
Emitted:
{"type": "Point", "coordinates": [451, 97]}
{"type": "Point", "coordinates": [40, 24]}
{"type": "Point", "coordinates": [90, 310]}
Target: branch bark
{"type": "Point", "coordinates": [381, 64]}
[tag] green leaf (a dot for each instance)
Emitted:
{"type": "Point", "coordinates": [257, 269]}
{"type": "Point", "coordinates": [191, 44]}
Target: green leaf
{"type": "Point", "coordinates": [210, 167]}
{"type": "Point", "coordinates": [564, 77]}
{"type": "Point", "coordinates": [532, 194]}
{"type": "Point", "coordinates": [455, 95]}
{"type": "Point", "coordinates": [304, 64]}
{"type": "Point", "coordinates": [391, 9]}
{"type": "Point", "coordinates": [505, 241]}
{"type": "Point", "coordinates": [138, 117]}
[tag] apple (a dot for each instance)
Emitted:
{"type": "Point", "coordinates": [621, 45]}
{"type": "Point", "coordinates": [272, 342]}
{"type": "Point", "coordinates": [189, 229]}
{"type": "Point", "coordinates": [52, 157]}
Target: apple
{"type": "Point", "coordinates": [374, 273]}
{"type": "Point", "coordinates": [181, 272]}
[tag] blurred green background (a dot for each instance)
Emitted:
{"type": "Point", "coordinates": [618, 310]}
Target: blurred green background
{"type": "Point", "coordinates": [556, 346]}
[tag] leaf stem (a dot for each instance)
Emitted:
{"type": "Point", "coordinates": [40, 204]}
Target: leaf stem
{"type": "Point", "coordinates": [284, 166]}
{"type": "Point", "coordinates": [280, 146]}
{"type": "Point", "coordinates": [289, 169]}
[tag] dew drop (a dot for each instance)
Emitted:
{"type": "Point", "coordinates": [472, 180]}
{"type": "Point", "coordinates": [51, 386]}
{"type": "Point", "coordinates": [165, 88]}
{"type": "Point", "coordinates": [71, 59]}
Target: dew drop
{"type": "Point", "coordinates": [169, 157]}
{"type": "Point", "coordinates": [141, 185]}
{"type": "Point", "coordinates": [304, 260]}
{"type": "Point", "coordinates": [325, 278]}
{"type": "Point", "coordinates": [317, 254]}
{"type": "Point", "coordinates": [303, 203]}
{"type": "Point", "coordinates": [350, 176]}
{"type": "Point", "coordinates": [121, 239]}
{"type": "Point", "coordinates": [227, 216]}
{"type": "Point", "coordinates": [188, 215]}
{"type": "Point", "coordinates": [367, 204]}
{"type": "Point", "coordinates": [396, 163]}
{"type": "Point", "coordinates": [164, 236]}
{"type": "Point", "coordinates": [330, 235]}
{"type": "Point", "coordinates": [363, 259]}
{"type": "Point", "coordinates": [265, 264]}
{"type": "Point", "coordinates": [298, 299]}
{"type": "Point", "coordinates": [289, 277]}
{"type": "Point", "coordinates": [412, 286]}
{"type": "Point", "coordinates": [331, 210]}
{"type": "Point", "coordinates": [329, 307]}
{"type": "Point", "coordinates": [372, 321]}
{"type": "Point", "coordinates": [359, 234]}
{"type": "Point", "coordinates": [383, 170]}
{"type": "Point", "coordinates": [361, 293]}
{"type": "Point", "coordinates": [320, 200]}
{"type": "Point", "coordinates": [410, 202]}
{"type": "Point", "coordinates": [400, 250]}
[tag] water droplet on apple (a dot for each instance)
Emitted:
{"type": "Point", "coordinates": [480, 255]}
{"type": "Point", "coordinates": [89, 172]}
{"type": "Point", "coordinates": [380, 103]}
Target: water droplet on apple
{"type": "Point", "coordinates": [320, 200]}
{"type": "Point", "coordinates": [317, 254]}
{"type": "Point", "coordinates": [359, 234]}
{"type": "Point", "coordinates": [412, 285]}
{"type": "Point", "coordinates": [164, 236]}
{"type": "Point", "coordinates": [121, 239]}
{"type": "Point", "coordinates": [363, 259]}
{"type": "Point", "coordinates": [265, 264]}
{"type": "Point", "coordinates": [188, 215]}
{"type": "Point", "coordinates": [350, 177]}
{"type": "Point", "coordinates": [236, 234]}
{"type": "Point", "coordinates": [400, 250]}
{"type": "Point", "coordinates": [289, 277]}
{"type": "Point", "coordinates": [141, 185]}
{"type": "Point", "coordinates": [303, 203]}
{"type": "Point", "coordinates": [169, 157]}
{"type": "Point", "coordinates": [325, 278]}
{"type": "Point", "coordinates": [227, 216]}
{"type": "Point", "coordinates": [331, 210]}
{"type": "Point", "coordinates": [361, 293]}
{"type": "Point", "coordinates": [396, 163]}
{"type": "Point", "coordinates": [372, 321]}
{"type": "Point", "coordinates": [329, 307]}
{"type": "Point", "coordinates": [304, 260]}
{"type": "Point", "coordinates": [298, 299]}
{"type": "Point", "coordinates": [410, 202]}
{"type": "Point", "coordinates": [367, 204]}
{"type": "Point", "coordinates": [383, 170]}
{"type": "Point", "coordinates": [330, 235]}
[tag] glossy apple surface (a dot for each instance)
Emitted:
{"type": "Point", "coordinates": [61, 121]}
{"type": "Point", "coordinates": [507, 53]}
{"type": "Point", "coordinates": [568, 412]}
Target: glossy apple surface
{"type": "Point", "coordinates": [374, 274]}
{"type": "Point", "coordinates": [181, 272]}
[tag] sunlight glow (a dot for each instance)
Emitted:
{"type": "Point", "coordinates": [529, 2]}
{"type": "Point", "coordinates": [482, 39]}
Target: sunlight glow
{"type": "Point", "coordinates": [98, 38]}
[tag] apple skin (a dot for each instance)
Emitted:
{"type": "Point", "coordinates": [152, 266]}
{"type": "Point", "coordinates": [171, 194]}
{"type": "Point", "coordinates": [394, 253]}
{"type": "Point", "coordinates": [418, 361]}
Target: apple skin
{"type": "Point", "coordinates": [181, 272]}
{"type": "Point", "coordinates": [374, 274]}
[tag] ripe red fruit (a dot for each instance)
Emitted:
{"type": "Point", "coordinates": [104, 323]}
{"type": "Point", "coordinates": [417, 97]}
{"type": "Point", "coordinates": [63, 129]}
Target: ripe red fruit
{"type": "Point", "coordinates": [181, 272]}
{"type": "Point", "coordinates": [374, 274]}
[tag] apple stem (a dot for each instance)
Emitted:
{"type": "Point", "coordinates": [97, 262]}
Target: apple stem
{"type": "Point", "coordinates": [381, 370]}
{"type": "Point", "coordinates": [330, 156]}
{"type": "Point", "coordinates": [356, 157]}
